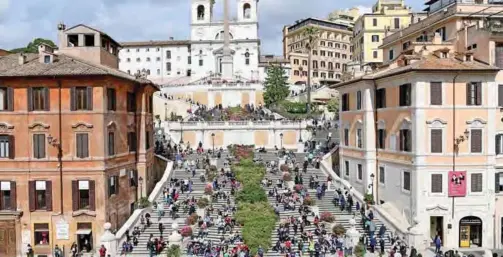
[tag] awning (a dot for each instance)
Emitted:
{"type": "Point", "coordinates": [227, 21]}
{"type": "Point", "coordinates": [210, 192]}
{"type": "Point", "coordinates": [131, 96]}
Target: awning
{"type": "Point", "coordinates": [83, 231]}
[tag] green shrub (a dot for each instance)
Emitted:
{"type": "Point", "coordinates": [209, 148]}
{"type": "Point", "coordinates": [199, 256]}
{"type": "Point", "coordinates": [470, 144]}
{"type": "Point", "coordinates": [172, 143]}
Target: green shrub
{"type": "Point", "coordinates": [174, 251]}
{"type": "Point", "coordinates": [258, 222]}
{"type": "Point", "coordinates": [143, 203]}
{"type": "Point", "coordinates": [251, 194]}
{"type": "Point", "coordinates": [203, 202]}
{"type": "Point", "coordinates": [360, 250]}
{"type": "Point", "coordinates": [369, 198]}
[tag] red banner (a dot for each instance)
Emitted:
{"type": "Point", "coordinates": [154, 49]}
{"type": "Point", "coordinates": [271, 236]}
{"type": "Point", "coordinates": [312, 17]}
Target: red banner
{"type": "Point", "coordinates": [457, 183]}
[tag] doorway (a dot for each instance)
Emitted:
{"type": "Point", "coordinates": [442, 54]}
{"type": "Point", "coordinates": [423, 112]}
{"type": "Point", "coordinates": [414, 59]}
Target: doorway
{"type": "Point", "coordinates": [470, 232]}
{"type": "Point", "coordinates": [437, 227]}
{"type": "Point", "coordinates": [84, 237]}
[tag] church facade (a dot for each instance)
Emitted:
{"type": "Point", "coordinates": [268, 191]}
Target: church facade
{"type": "Point", "coordinates": [201, 56]}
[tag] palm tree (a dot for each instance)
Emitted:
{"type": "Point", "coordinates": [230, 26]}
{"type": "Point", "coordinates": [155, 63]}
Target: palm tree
{"type": "Point", "coordinates": [311, 34]}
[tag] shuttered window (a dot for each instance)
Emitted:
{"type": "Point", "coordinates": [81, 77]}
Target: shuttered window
{"type": "Point", "coordinates": [39, 146]}
{"type": "Point", "coordinates": [382, 175]}
{"type": "Point", "coordinates": [111, 99]}
{"type": "Point", "coordinates": [476, 141]}
{"type": "Point", "coordinates": [499, 144]}
{"type": "Point", "coordinates": [381, 138]}
{"type": "Point", "coordinates": [83, 195]}
{"type": "Point", "coordinates": [500, 95]}
{"type": "Point", "coordinates": [81, 98]}
{"type": "Point", "coordinates": [346, 137]}
{"type": "Point", "coordinates": [113, 185]}
{"type": "Point", "coordinates": [406, 180]}
{"type": "Point", "coordinates": [474, 93]}
{"type": "Point", "coordinates": [498, 182]}
{"type": "Point", "coordinates": [38, 99]}
{"type": "Point", "coordinates": [6, 99]}
{"type": "Point", "coordinates": [131, 141]}
{"type": "Point", "coordinates": [405, 140]}
{"type": "Point", "coordinates": [345, 102]}
{"type": "Point", "coordinates": [360, 172]}
{"type": "Point", "coordinates": [436, 141]}
{"type": "Point", "coordinates": [405, 95]}
{"type": "Point", "coordinates": [359, 139]}
{"type": "Point", "coordinates": [359, 100]}
{"type": "Point", "coordinates": [6, 146]}
{"type": "Point", "coordinates": [40, 194]}
{"type": "Point", "coordinates": [8, 195]}
{"type": "Point", "coordinates": [381, 98]}
{"type": "Point", "coordinates": [131, 102]}
{"type": "Point", "coordinates": [82, 140]}
{"type": "Point", "coordinates": [111, 143]}
{"type": "Point", "coordinates": [346, 166]}
{"type": "Point", "coordinates": [436, 93]}
{"type": "Point", "coordinates": [476, 182]}
{"type": "Point", "coordinates": [436, 183]}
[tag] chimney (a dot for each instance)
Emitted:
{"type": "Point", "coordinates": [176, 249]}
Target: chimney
{"type": "Point", "coordinates": [62, 40]}
{"type": "Point", "coordinates": [468, 57]}
{"type": "Point", "coordinates": [21, 59]}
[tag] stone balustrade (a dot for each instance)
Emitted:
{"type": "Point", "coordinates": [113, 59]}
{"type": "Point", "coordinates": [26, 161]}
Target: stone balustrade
{"type": "Point", "coordinates": [211, 125]}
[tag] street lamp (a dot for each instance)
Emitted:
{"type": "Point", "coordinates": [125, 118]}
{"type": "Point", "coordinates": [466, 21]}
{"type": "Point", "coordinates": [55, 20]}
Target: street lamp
{"type": "Point", "coordinates": [281, 140]}
{"type": "Point", "coordinates": [213, 141]}
{"type": "Point", "coordinates": [460, 139]}
{"type": "Point", "coordinates": [300, 131]}
{"type": "Point", "coordinates": [371, 186]}
{"type": "Point", "coordinates": [165, 111]}
{"type": "Point", "coordinates": [55, 143]}
{"type": "Point", "coordinates": [140, 182]}
{"type": "Point", "coordinates": [181, 132]}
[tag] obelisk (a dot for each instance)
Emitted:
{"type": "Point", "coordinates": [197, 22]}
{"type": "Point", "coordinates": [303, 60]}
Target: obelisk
{"type": "Point", "coordinates": [227, 62]}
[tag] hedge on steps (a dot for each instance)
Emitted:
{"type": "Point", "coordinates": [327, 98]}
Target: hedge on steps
{"type": "Point", "coordinates": [254, 211]}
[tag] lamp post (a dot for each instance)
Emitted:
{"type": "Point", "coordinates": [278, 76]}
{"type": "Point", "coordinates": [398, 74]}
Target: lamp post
{"type": "Point", "coordinates": [140, 182]}
{"type": "Point", "coordinates": [213, 142]}
{"type": "Point", "coordinates": [165, 111]}
{"type": "Point", "coordinates": [181, 132]}
{"type": "Point", "coordinates": [55, 143]}
{"type": "Point", "coordinates": [281, 140]}
{"type": "Point", "coordinates": [371, 186]}
{"type": "Point", "coordinates": [300, 131]}
{"type": "Point", "coordinates": [457, 141]}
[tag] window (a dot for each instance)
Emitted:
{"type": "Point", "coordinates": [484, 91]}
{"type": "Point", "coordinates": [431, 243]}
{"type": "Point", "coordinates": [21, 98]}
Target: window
{"type": "Point", "coordinates": [436, 93]}
{"type": "Point", "coordinates": [406, 180]}
{"type": "Point", "coordinates": [397, 23]}
{"type": "Point", "coordinates": [436, 183]}
{"type": "Point", "coordinates": [81, 98]}
{"type": "Point", "coordinates": [476, 182]}
{"type": "Point", "coordinates": [89, 40]}
{"type": "Point", "coordinates": [346, 166]}
{"type": "Point", "coordinates": [168, 54]}
{"type": "Point", "coordinates": [158, 59]}
{"type": "Point", "coordinates": [131, 102]}
{"type": "Point", "coordinates": [442, 33]}
{"type": "Point", "coordinates": [381, 139]}
{"type": "Point", "coordinates": [200, 62]}
{"type": "Point", "coordinates": [83, 194]}
{"type": "Point", "coordinates": [82, 143]}
{"type": "Point", "coordinates": [360, 171]}
{"type": "Point", "coordinates": [304, 62]}
{"type": "Point", "coordinates": [111, 143]}
{"type": "Point", "coordinates": [6, 146]}
{"type": "Point", "coordinates": [147, 50]}
{"type": "Point", "coordinates": [315, 52]}
{"type": "Point", "coordinates": [382, 175]}
{"type": "Point", "coordinates": [322, 53]}
{"type": "Point", "coordinates": [322, 64]}
{"type": "Point", "coordinates": [391, 54]}
{"type": "Point", "coordinates": [330, 65]}
{"type": "Point", "coordinates": [315, 74]}
{"type": "Point", "coordinates": [128, 60]}
{"type": "Point", "coordinates": [138, 59]}
{"type": "Point", "coordinates": [359, 142]}
{"type": "Point", "coordinates": [189, 60]}
{"type": "Point", "coordinates": [474, 93]}
{"type": "Point", "coordinates": [168, 66]}
{"type": "Point", "coordinates": [147, 139]}
{"type": "Point", "coordinates": [381, 98]}
{"type": "Point", "coordinates": [41, 233]}
{"type": "Point", "coordinates": [158, 71]}
{"type": "Point", "coordinates": [38, 99]}
{"type": "Point", "coordinates": [359, 100]}
{"type": "Point", "coordinates": [148, 59]}
{"type": "Point", "coordinates": [247, 61]}
{"type": "Point", "coordinates": [476, 141]}
{"type": "Point", "coordinates": [345, 102]}
{"type": "Point", "coordinates": [346, 137]}
{"type": "Point", "coordinates": [405, 140]}
{"type": "Point", "coordinates": [315, 64]}
{"type": "Point", "coordinates": [375, 54]}
{"type": "Point", "coordinates": [7, 195]}
{"type": "Point", "coordinates": [41, 190]}
{"type": "Point", "coordinates": [131, 141]}
{"type": "Point", "coordinates": [405, 95]}
{"type": "Point", "coordinates": [111, 99]}
{"type": "Point", "coordinates": [47, 59]}
{"type": "Point", "coordinates": [133, 177]}
{"type": "Point", "coordinates": [296, 73]}
{"type": "Point", "coordinates": [113, 185]}
{"type": "Point", "coordinates": [375, 38]}
{"type": "Point", "coordinates": [39, 146]}
{"type": "Point", "coordinates": [436, 140]}
{"type": "Point", "coordinates": [500, 95]}
{"type": "Point", "coordinates": [499, 183]}
{"type": "Point", "coordinates": [499, 144]}
{"type": "Point", "coordinates": [374, 22]}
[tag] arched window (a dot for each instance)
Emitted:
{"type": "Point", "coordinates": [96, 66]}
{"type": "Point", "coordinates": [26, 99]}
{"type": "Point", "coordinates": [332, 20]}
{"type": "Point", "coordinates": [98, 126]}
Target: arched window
{"type": "Point", "coordinates": [330, 66]}
{"type": "Point", "coordinates": [247, 11]}
{"type": "Point", "coordinates": [247, 58]}
{"type": "Point", "coordinates": [200, 13]}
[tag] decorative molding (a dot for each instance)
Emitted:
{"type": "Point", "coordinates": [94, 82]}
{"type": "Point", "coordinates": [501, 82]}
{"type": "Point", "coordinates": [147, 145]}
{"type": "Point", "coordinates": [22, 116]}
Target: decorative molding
{"type": "Point", "coordinates": [39, 124]}
{"type": "Point", "coordinates": [6, 126]}
{"type": "Point", "coordinates": [82, 124]}
{"type": "Point", "coordinates": [475, 121]}
{"type": "Point", "coordinates": [443, 122]}
{"type": "Point", "coordinates": [437, 208]}
{"type": "Point", "coordinates": [112, 125]}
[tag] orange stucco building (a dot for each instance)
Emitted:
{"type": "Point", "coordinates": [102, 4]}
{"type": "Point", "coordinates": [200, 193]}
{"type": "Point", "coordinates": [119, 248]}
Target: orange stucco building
{"type": "Point", "coordinates": [76, 134]}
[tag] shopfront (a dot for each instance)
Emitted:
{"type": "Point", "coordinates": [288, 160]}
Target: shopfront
{"type": "Point", "coordinates": [470, 232]}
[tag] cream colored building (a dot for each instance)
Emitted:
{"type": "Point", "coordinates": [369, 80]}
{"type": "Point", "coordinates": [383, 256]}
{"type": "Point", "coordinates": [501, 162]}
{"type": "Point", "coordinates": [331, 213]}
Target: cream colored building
{"type": "Point", "coordinates": [345, 17]}
{"type": "Point", "coordinates": [387, 17]}
{"type": "Point", "coordinates": [329, 57]}
{"type": "Point", "coordinates": [454, 42]}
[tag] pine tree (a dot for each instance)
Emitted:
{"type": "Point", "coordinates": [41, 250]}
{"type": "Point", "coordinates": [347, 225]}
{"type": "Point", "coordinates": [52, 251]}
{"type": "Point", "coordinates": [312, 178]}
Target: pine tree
{"type": "Point", "coordinates": [276, 86]}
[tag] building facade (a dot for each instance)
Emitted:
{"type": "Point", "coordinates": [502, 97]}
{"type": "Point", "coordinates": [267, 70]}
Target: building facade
{"type": "Point", "coordinates": [329, 56]}
{"type": "Point", "coordinates": [201, 55]}
{"type": "Point", "coordinates": [75, 136]}
{"type": "Point", "coordinates": [387, 17]}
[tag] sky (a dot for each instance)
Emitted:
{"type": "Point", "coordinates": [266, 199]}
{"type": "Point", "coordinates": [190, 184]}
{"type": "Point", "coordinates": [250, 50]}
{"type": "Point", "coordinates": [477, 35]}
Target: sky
{"type": "Point", "coordinates": [141, 20]}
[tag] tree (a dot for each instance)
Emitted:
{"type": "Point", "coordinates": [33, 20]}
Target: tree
{"type": "Point", "coordinates": [333, 106]}
{"type": "Point", "coordinates": [276, 87]}
{"type": "Point", "coordinates": [32, 47]}
{"type": "Point", "coordinates": [312, 34]}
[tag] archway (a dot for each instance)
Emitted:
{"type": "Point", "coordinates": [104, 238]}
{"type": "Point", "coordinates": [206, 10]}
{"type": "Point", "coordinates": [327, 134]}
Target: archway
{"type": "Point", "coordinates": [247, 11]}
{"type": "Point", "coordinates": [470, 232]}
{"type": "Point", "coordinates": [200, 12]}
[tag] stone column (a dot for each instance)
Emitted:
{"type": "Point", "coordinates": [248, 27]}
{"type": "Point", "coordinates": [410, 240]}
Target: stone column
{"type": "Point", "coordinates": [108, 240]}
{"type": "Point", "coordinates": [369, 147]}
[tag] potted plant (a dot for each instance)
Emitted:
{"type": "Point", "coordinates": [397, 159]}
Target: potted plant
{"type": "Point", "coordinates": [327, 217]}
{"type": "Point", "coordinates": [287, 176]}
{"type": "Point", "coordinates": [186, 231]}
{"type": "Point", "coordinates": [309, 201]}
{"type": "Point", "coordinates": [339, 230]}
{"type": "Point", "coordinates": [192, 219]}
{"type": "Point", "coordinates": [369, 199]}
{"type": "Point", "coordinates": [143, 203]}
{"type": "Point", "coordinates": [211, 172]}
{"type": "Point", "coordinates": [203, 202]}
{"type": "Point", "coordinates": [174, 251]}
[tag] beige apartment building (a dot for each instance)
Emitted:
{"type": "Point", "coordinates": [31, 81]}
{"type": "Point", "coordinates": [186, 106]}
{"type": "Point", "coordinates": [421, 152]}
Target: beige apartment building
{"type": "Point", "coordinates": [387, 17]}
{"type": "Point", "coordinates": [423, 133]}
{"type": "Point", "coordinates": [329, 57]}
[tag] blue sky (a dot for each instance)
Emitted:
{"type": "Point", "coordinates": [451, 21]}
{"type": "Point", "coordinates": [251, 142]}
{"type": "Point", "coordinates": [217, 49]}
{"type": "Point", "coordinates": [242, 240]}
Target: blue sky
{"type": "Point", "coordinates": [130, 20]}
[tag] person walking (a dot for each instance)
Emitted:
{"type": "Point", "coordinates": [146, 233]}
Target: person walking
{"type": "Point", "coordinates": [103, 251]}
{"type": "Point", "coordinates": [438, 243]}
